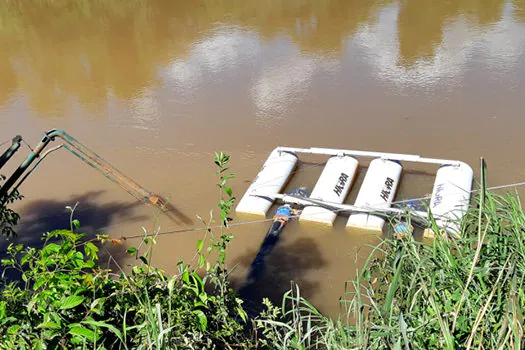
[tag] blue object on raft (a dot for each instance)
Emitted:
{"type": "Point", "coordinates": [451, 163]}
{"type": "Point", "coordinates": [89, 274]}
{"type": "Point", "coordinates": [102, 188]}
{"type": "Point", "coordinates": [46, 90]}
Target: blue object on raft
{"type": "Point", "coordinates": [284, 210]}
{"type": "Point", "coordinates": [403, 228]}
{"type": "Point", "coordinates": [417, 205]}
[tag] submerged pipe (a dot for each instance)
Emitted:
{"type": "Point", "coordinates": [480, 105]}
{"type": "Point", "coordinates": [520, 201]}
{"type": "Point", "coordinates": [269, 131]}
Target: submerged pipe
{"type": "Point", "coordinates": [280, 220]}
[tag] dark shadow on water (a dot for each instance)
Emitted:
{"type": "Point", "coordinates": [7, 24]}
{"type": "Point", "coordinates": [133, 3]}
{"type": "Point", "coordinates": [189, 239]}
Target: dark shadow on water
{"type": "Point", "coordinates": [49, 214]}
{"type": "Point", "coordinates": [38, 217]}
{"type": "Point", "coordinates": [176, 215]}
{"type": "Point", "coordinates": [286, 263]}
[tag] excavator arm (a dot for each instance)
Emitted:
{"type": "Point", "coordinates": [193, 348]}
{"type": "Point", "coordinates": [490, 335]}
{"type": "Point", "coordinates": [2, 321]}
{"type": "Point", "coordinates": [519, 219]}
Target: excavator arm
{"type": "Point", "coordinates": [85, 154]}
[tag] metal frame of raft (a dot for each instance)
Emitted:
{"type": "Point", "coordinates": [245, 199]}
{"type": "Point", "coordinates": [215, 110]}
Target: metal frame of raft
{"type": "Point", "coordinates": [448, 203]}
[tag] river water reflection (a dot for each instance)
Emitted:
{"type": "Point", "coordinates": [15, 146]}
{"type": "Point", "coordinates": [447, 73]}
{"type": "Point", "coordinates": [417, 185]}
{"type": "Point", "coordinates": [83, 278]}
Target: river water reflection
{"type": "Point", "coordinates": [157, 86]}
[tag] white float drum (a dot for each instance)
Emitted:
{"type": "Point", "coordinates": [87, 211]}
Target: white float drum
{"type": "Point", "coordinates": [451, 196]}
{"type": "Point", "coordinates": [377, 191]}
{"type": "Point", "coordinates": [333, 186]}
{"type": "Point", "coordinates": [270, 180]}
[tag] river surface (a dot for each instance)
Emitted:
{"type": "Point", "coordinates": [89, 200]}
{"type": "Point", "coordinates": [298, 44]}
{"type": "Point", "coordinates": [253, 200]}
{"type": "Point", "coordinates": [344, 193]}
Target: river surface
{"type": "Point", "coordinates": [156, 87]}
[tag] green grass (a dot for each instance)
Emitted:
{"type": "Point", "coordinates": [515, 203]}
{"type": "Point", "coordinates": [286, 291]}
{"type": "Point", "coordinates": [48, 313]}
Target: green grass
{"type": "Point", "coordinates": [463, 292]}
{"type": "Point", "coordinates": [65, 300]}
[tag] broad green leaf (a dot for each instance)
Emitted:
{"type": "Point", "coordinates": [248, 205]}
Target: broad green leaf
{"type": "Point", "coordinates": [203, 321]}
{"type": "Point", "coordinates": [83, 332]}
{"type": "Point", "coordinates": [13, 329]}
{"type": "Point", "coordinates": [71, 301]}
{"type": "Point", "coordinates": [37, 345]}
{"type": "Point", "coordinates": [31, 304]}
{"type": "Point", "coordinates": [51, 248]}
{"type": "Point", "coordinates": [91, 250]}
{"type": "Point", "coordinates": [186, 277]}
{"type": "Point", "coordinates": [7, 262]}
{"type": "Point", "coordinates": [241, 313]}
{"type": "Point", "coordinates": [50, 325]}
{"type": "Point", "coordinates": [200, 244]}
{"type": "Point", "coordinates": [100, 324]}
{"type": "Point", "coordinates": [39, 283]}
{"type": "Point", "coordinates": [96, 302]}
{"type": "Point", "coordinates": [197, 282]}
{"type": "Point", "coordinates": [76, 223]}
{"type": "Point", "coordinates": [201, 261]}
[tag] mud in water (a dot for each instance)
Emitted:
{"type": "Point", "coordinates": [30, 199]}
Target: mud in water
{"type": "Point", "coordinates": [155, 87]}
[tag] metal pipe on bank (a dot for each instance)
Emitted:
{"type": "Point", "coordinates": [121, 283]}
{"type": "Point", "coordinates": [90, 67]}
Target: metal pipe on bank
{"type": "Point", "coordinates": [4, 158]}
{"type": "Point", "coordinates": [82, 152]}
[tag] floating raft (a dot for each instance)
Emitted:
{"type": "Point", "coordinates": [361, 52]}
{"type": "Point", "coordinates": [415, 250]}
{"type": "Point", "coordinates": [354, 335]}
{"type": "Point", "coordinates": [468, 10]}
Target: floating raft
{"type": "Point", "coordinates": [448, 203]}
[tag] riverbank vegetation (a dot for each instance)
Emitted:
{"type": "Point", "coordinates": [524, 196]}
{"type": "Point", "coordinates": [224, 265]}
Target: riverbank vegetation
{"type": "Point", "coordinates": [461, 292]}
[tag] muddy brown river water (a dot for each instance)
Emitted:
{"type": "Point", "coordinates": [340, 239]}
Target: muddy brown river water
{"type": "Point", "coordinates": [155, 87]}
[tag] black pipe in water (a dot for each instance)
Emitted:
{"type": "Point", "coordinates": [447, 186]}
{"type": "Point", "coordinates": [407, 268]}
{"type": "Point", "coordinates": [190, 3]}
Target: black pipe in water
{"type": "Point", "coordinates": [257, 267]}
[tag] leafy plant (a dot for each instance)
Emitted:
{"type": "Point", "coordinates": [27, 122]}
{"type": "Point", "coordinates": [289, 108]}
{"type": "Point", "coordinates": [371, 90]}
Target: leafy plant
{"type": "Point", "coordinates": [466, 291]}
{"type": "Point", "coordinates": [8, 217]}
{"type": "Point", "coordinates": [66, 300]}
{"type": "Point", "coordinates": [58, 302]}
{"type": "Point", "coordinates": [460, 292]}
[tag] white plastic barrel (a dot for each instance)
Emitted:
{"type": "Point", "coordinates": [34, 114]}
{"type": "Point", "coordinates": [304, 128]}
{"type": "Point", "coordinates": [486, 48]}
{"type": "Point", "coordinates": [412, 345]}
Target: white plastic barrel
{"type": "Point", "coordinates": [451, 196]}
{"type": "Point", "coordinates": [377, 191]}
{"type": "Point", "coordinates": [333, 186]}
{"type": "Point", "coordinates": [270, 179]}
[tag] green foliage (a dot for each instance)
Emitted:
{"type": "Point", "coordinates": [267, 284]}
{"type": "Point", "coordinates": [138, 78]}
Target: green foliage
{"type": "Point", "coordinates": [449, 293]}
{"type": "Point", "coordinates": [466, 291]}
{"type": "Point", "coordinates": [297, 324]}
{"type": "Point", "coordinates": [65, 300]}
{"type": "Point", "coordinates": [55, 302]}
{"type": "Point", "coordinates": [460, 292]}
{"type": "Point", "coordinates": [8, 217]}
